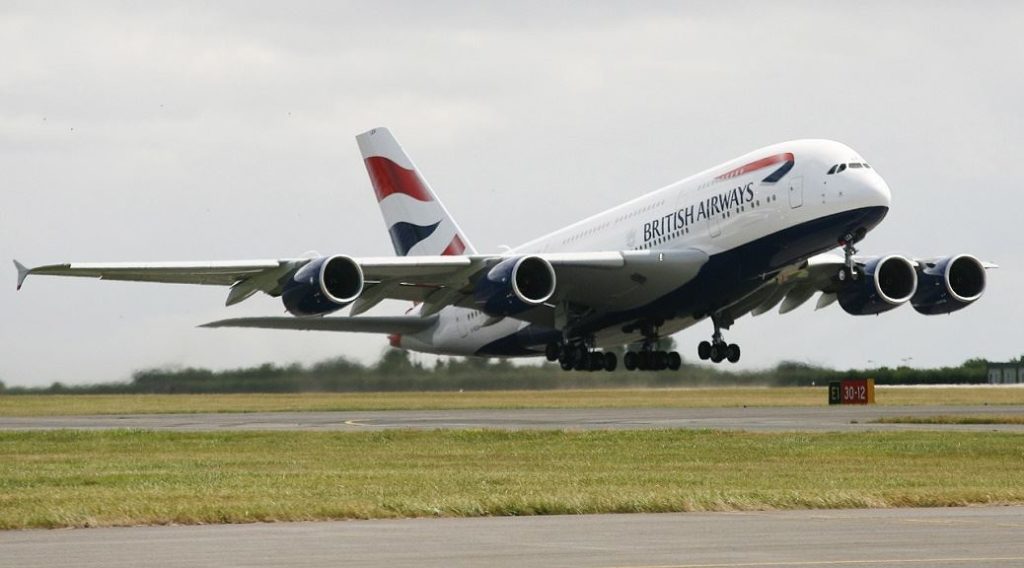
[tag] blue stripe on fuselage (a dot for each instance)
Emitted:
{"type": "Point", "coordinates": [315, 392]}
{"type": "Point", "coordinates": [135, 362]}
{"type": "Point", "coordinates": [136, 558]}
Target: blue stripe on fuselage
{"type": "Point", "coordinates": [724, 279]}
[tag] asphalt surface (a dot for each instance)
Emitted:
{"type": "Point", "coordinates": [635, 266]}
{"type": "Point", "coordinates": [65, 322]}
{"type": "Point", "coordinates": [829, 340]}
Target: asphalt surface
{"type": "Point", "coordinates": [846, 418]}
{"type": "Point", "coordinates": [863, 538]}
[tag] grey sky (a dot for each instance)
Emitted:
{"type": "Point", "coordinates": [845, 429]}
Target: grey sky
{"type": "Point", "coordinates": [188, 131]}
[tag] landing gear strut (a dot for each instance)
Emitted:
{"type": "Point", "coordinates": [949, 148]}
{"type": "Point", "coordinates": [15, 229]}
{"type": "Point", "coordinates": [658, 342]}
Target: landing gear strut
{"type": "Point", "coordinates": [717, 350]}
{"type": "Point", "coordinates": [849, 271]}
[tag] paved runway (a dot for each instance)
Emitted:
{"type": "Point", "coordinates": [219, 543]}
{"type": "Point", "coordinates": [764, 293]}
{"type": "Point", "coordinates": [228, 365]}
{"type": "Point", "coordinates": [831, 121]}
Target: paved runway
{"type": "Point", "coordinates": [847, 418]}
{"type": "Point", "coordinates": [943, 538]}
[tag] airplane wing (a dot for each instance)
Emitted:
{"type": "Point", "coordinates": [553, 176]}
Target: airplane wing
{"type": "Point", "coordinates": [399, 324]}
{"type": "Point", "coordinates": [613, 279]}
{"type": "Point", "coordinates": [794, 286]}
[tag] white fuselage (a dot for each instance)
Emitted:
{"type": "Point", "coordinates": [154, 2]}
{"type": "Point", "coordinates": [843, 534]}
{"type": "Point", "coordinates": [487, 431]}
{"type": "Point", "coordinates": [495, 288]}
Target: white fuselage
{"type": "Point", "coordinates": [715, 211]}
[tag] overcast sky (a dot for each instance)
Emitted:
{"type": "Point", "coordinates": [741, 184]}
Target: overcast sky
{"type": "Point", "coordinates": [193, 131]}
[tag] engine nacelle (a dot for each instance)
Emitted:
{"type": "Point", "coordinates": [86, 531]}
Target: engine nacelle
{"type": "Point", "coordinates": [883, 284]}
{"type": "Point", "coordinates": [515, 285]}
{"type": "Point", "coordinates": [949, 284]}
{"type": "Point", "coordinates": [323, 285]}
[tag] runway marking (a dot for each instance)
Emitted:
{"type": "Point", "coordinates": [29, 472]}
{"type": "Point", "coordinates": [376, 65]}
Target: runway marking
{"type": "Point", "coordinates": [833, 562]}
{"type": "Point", "coordinates": [356, 422]}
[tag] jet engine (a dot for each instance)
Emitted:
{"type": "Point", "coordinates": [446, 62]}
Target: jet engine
{"type": "Point", "coordinates": [883, 284]}
{"type": "Point", "coordinates": [948, 284]}
{"type": "Point", "coordinates": [515, 285]}
{"type": "Point", "coordinates": [323, 285]}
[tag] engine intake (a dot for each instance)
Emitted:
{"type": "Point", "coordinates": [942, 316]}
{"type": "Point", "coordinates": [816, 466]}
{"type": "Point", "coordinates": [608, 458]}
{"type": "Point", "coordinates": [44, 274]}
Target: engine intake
{"type": "Point", "coordinates": [885, 283]}
{"type": "Point", "coordinates": [949, 284]}
{"type": "Point", "coordinates": [515, 285]}
{"type": "Point", "coordinates": [323, 285]}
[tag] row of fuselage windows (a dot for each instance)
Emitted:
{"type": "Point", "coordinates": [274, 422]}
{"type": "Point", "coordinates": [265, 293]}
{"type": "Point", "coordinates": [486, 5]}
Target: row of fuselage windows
{"type": "Point", "coordinates": [607, 224]}
{"type": "Point", "coordinates": [842, 167]}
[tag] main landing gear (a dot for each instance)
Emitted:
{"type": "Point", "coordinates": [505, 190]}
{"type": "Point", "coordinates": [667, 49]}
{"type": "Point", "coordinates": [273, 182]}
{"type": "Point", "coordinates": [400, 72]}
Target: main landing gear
{"type": "Point", "coordinates": [717, 350]}
{"type": "Point", "coordinates": [580, 357]}
{"type": "Point", "coordinates": [648, 358]}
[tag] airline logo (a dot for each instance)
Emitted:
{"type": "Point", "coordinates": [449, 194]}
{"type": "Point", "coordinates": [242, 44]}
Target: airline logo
{"type": "Point", "coordinates": [409, 208]}
{"type": "Point", "coordinates": [786, 160]}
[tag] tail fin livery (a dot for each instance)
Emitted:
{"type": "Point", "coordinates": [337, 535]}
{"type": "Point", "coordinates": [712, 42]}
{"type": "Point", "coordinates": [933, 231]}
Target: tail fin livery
{"type": "Point", "coordinates": [417, 220]}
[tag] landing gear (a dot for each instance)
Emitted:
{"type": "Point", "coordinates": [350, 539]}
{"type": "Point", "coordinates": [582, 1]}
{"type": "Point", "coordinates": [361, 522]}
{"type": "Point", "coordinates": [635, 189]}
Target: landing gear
{"type": "Point", "coordinates": [717, 350]}
{"type": "Point", "coordinates": [849, 271]}
{"type": "Point", "coordinates": [579, 357]}
{"type": "Point", "coordinates": [649, 359]}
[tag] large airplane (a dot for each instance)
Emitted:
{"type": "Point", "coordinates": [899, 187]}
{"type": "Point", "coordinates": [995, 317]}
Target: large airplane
{"type": "Point", "coordinates": [739, 238]}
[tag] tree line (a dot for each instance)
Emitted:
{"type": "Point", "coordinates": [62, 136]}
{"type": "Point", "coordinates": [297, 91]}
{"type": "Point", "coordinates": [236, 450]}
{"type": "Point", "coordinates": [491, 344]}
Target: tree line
{"type": "Point", "coordinates": [396, 371]}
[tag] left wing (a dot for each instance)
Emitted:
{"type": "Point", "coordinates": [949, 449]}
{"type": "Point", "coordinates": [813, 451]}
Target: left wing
{"type": "Point", "coordinates": [596, 280]}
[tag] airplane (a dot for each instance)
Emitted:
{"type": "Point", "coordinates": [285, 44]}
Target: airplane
{"type": "Point", "coordinates": [740, 238]}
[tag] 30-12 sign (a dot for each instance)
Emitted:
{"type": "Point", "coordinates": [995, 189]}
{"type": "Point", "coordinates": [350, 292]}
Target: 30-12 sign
{"type": "Point", "coordinates": [852, 391]}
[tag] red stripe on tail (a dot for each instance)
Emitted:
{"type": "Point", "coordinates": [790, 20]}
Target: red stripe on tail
{"type": "Point", "coordinates": [388, 177]}
{"type": "Point", "coordinates": [454, 248]}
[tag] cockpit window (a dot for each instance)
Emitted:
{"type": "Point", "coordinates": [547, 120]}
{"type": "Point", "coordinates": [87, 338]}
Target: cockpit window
{"type": "Point", "coordinates": [855, 165]}
{"type": "Point", "coordinates": [841, 168]}
{"type": "Point", "coordinates": [866, 165]}
{"type": "Point", "coordinates": [832, 170]}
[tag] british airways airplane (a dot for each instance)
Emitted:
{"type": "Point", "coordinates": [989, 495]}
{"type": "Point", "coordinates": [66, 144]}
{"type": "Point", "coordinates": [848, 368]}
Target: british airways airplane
{"type": "Point", "coordinates": [739, 238]}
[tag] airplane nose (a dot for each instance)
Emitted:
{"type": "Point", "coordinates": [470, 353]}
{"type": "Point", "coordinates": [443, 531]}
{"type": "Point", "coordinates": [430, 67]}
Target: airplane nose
{"type": "Point", "coordinates": [876, 192]}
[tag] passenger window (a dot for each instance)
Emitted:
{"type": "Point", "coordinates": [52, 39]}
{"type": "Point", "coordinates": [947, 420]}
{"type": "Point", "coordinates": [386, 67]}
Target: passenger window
{"type": "Point", "coordinates": [832, 170]}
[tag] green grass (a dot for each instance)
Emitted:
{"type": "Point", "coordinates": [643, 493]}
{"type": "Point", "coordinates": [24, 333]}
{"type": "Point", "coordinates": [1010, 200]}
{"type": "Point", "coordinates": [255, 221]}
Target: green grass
{"type": "Point", "coordinates": [954, 419]}
{"type": "Point", "coordinates": [89, 478]}
{"type": "Point", "coordinates": [54, 405]}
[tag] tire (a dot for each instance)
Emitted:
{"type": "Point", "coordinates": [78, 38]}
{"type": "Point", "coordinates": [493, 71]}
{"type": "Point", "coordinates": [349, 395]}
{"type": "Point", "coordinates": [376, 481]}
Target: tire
{"type": "Point", "coordinates": [733, 353]}
{"type": "Point", "coordinates": [565, 364]}
{"type": "Point", "coordinates": [674, 361]}
{"type": "Point", "coordinates": [704, 350]}
{"type": "Point", "coordinates": [582, 361]}
{"type": "Point", "coordinates": [552, 351]}
{"type": "Point", "coordinates": [596, 361]}
{"type": "Point", "coordinates": [610, 362]}
{"type": "Point", "coordinates": [660, 360]}
{"type": "Point", "coordinates": [717, 353]}
{"type": "Point", "coordinates": [629, 360]}
{"type": "Point", "coordinates": [643, 361]}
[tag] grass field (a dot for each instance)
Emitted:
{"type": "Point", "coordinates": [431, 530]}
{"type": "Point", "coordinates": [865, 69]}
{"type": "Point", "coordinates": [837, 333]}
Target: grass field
{"type": "Point", "coordinates": [53, 405]}
{"type": "Point", "coordinates": [78, 478]}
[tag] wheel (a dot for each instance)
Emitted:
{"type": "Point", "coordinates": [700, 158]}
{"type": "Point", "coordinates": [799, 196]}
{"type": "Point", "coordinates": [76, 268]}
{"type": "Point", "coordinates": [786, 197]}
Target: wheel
{"type": "Point", "coordinates": [629, 360]}
{"type": "Point", "coordinates": [733, 353]}
{"type": "Point", "coordinates": [704, 350]}
{"type": "Point", "coordinates": [582, 361]}
{"type": "Point", "coordinates": [596, 361]}
{"type": "Point", "coordinates": [643, 361]}
{"type": "Point", "coordinates": [717, 353]}
{"type": "Point", "coordinates": [674, 361]}
{"type": "Point", "coordinates": [660, 360]}
{"type": "Point", "coordinates": [565, 364]}
{"type": "Point", "coordinates": [552, 351]}
{"type": "Point", "coordinates": [610, 362]}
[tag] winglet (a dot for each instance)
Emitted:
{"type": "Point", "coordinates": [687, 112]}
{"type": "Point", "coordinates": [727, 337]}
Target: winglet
{"type": "Point", "coordinates": [23, 273]}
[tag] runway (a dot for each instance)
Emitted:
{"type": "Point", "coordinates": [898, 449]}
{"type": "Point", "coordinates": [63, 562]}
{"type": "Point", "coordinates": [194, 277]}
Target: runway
{"type": "Point", "coordinates": [959, 537]}
{"type": "Point", "coordinates": [767, 419]}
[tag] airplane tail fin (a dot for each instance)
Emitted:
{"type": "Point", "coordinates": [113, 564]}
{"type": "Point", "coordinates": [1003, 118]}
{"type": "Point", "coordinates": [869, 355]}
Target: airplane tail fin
{"type": "Point", "coordinates": [418, 222]}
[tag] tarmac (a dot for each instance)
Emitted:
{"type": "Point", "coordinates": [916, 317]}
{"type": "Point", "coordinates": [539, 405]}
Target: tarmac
{"type": "Point", "coordinates": [945, 538]}
{"type": "Point", "coordinates": [766, 419]}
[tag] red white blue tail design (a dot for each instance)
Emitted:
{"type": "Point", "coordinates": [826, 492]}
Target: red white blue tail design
{"type": "Point", "coordinates": [418, 222]}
